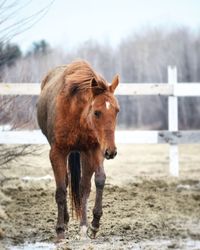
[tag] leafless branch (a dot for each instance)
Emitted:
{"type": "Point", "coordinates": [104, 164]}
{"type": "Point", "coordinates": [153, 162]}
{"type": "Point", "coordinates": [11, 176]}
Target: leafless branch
{"type": "Point", "coordinates": [11, 24]}
{"type": "Point", "coordinates": [14, 153]}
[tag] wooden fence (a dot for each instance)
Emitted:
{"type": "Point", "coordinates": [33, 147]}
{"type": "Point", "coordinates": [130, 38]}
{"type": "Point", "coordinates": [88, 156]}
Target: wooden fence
{"type": "Point", "coordinates": [173, 136]}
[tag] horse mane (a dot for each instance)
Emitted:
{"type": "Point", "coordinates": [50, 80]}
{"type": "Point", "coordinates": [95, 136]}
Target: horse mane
{"type": "Point", "coordinates": [79, 75]}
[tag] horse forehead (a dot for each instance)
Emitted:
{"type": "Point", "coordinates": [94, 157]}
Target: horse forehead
{"type": "Point", "coordinates": [110, 105]}
{"type": "Point", "coordinates": [106, 102]}
{"type": "Point", "coordinates": [110, 102]}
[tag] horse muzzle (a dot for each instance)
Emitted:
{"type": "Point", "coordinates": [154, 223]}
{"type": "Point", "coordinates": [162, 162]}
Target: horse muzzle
{"type": "Point", "coordinates": [110, 154]}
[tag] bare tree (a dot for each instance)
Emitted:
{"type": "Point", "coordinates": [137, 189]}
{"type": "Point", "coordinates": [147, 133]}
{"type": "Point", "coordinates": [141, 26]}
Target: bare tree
{"type": "Point", "coordinates": [14, 21]}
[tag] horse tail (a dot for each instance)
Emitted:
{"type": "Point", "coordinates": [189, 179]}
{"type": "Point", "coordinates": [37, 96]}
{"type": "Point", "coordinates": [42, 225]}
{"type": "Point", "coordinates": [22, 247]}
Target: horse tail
{"type": "Point", "coordinates": [75, 175]}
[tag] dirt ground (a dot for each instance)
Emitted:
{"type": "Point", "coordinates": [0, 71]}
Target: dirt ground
{"type": "Point", "coordinates": [144, 208]}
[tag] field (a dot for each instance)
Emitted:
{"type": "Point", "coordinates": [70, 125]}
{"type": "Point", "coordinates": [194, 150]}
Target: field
{"type": "Point", "coordinates": [144, 208]}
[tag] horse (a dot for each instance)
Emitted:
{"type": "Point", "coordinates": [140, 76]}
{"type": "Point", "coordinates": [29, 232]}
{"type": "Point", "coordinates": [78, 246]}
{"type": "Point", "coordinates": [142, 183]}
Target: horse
{"type": "Point", "coordinates": [77, 111]}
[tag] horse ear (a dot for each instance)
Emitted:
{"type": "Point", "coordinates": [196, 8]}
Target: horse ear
{"type": "Point", "coordinates": [94, 83]}
{"type": "Point", "coordinates": [114, 84]}
{"type": "Point", "coordinates": [97, 87]}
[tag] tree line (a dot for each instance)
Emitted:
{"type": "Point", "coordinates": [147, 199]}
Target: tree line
{"type": "Point", "coordinates": [142, 57]}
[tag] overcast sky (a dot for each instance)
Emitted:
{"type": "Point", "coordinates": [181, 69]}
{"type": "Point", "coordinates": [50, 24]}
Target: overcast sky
{"type": "Point", "coordinates": [71, 22]}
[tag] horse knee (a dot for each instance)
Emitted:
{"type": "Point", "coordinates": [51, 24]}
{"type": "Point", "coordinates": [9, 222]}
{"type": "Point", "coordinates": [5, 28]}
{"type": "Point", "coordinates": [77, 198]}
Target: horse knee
{"type": "Point", "coordinates": [60, 195]}
{"type": "Point", "coordinates": [100, 181]}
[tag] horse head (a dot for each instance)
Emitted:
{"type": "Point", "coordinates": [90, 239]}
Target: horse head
{"type": "Point", "coordinates": [102, 115]}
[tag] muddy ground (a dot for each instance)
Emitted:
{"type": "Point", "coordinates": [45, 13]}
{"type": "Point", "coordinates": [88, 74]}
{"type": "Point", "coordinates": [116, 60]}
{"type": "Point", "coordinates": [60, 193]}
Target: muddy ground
{"type": "Point", "coordinates": [143, 207]}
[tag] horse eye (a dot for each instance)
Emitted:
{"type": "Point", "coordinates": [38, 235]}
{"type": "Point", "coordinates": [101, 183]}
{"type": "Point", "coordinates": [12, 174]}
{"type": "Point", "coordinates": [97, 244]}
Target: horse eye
{"type": "Point", "coordinates": [97, 113]}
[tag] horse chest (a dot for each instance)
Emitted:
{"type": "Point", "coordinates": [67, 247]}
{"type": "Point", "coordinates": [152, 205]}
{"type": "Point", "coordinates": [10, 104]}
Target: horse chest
{"type": "Point", "coordinates": [75, 138]}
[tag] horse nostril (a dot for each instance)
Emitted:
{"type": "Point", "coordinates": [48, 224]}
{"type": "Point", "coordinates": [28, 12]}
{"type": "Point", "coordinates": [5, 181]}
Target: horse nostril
{"type": "Point", "coordinates": [107, 152]}
{"type": "Point", "coordinates": [110, 154]}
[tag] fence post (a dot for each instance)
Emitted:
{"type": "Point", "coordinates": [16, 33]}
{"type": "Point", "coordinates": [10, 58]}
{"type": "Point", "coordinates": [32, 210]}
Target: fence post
{"type": "Point", "coordinates": [173, 123]}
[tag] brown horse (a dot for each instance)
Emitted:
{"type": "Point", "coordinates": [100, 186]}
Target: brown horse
{"type": "Point", "coordinates": [77, 113]}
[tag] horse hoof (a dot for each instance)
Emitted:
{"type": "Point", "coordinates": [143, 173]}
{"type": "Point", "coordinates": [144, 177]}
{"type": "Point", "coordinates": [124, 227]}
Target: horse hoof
{"type": "Point", "coordinates": [91, 232]}
{"type": "Point", "coordinates": [60, 237]}
{"type": "Point", "coordinates": [83, 232]}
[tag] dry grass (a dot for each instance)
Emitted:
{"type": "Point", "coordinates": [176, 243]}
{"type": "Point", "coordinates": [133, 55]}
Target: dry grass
{"type": "Point", "coordinates": [132, 161]}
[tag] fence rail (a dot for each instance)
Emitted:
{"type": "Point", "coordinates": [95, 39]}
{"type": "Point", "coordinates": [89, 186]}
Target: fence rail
{"type": "Point", "coordinates": [173, 136]}
{"type": "Point", "coordinates": [121, 137]}
{"type": "Point", "coordinates": [162, 89]}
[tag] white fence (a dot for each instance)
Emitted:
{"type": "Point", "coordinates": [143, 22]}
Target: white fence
{"type": "Point", "coordinates": [173, 136]}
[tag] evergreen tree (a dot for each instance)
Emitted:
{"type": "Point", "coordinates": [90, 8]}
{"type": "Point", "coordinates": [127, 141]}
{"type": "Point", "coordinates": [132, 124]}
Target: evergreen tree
{"type": "Point", "coordinates": [9, 53]}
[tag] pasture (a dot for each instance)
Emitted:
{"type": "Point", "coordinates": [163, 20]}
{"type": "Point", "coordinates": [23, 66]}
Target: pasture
{"type": "Point", "coordinates": [144, 208]}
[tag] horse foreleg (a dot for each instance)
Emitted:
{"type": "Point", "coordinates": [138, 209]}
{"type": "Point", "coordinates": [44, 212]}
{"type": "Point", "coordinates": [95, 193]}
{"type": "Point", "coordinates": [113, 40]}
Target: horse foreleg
{"type": "Point", "coordinates": [100, 178]}
{"type": "Point", "coordinates": [58, 161]}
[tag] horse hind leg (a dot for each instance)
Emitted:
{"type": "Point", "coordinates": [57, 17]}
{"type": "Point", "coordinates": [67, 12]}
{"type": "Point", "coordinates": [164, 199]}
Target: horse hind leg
{"type": "Point", "coordinates": [85, 187]}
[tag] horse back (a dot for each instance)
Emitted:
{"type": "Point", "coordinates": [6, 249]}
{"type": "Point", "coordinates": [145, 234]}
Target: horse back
{"type": "Point", "coordinates": [54, 73]}
{"type": "Point", "coordinates": [46, 105]}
